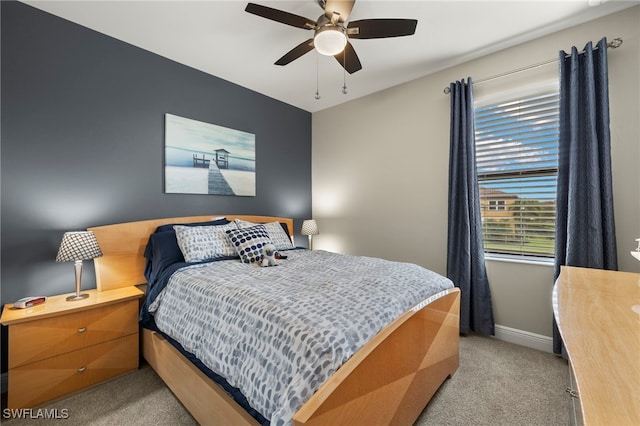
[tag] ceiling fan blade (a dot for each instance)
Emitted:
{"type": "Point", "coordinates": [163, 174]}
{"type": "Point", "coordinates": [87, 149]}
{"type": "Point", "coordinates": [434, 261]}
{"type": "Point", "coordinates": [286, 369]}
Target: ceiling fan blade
{"type": "Point", "coordinates": [280, 16]}
{"type": "Point", "coordinates": [381, 28]}
{"type": "Point", "coordinates": [349, 59]}
{"type": "Point", "coordinates": [342, 7]}
{"type": "Point", "coordinates": [296, 52]}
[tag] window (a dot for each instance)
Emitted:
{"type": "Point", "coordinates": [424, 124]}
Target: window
{"type": "Point", "coordinates": [497, 204]}
{"type": "Point", "coordinates": [517, 165]}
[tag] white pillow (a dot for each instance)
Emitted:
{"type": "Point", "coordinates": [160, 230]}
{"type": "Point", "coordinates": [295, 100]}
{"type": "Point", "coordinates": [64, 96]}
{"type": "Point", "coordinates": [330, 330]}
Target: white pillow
{"type": "Point", "coordinates": [198, 243]}
{"type": "Point", "coordinates": [279, 238]}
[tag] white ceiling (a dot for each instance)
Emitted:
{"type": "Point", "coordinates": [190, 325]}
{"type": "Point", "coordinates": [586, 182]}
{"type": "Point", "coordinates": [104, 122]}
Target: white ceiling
{"type": "Point", "coordinates": [220, 38]}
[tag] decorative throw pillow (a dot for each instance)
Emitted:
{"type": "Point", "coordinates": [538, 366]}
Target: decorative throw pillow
{"type": "Point", "coordinates": [248, 242]}
{"type": "Point", "coordinates": [198, 243]}
{"type": "Point", "coordinates": [276, 232]}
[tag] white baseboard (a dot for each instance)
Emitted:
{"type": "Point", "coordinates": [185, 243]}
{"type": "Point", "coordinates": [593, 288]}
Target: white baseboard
{"type": "Point", "coordinates": [524, 338]}
{"type": "Point", "coordinates": [4, 383]}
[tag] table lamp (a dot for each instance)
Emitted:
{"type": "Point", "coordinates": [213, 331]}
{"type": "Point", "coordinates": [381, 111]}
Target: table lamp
{"type": "Point", "coordinates": [636, 253]}
{"type": "Point", "coordinates": [77, 246]}
{"type": "Point", "coordinates": [310, 228]}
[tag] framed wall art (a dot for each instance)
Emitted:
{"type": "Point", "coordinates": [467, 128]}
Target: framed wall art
{"type": "Point", "coordinates": [204, 158]}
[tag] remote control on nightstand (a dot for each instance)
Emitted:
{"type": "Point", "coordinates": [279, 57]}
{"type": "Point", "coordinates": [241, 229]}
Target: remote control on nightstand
{"type": "Point", "coordinates": [27, 302]}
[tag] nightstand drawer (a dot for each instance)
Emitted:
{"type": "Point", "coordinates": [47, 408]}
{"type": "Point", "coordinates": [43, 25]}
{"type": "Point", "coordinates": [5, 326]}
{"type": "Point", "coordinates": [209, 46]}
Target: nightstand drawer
{"type": "Point", "coordinates": [33, 384]}
{"type": "Point", "coordinates": [40, 339]}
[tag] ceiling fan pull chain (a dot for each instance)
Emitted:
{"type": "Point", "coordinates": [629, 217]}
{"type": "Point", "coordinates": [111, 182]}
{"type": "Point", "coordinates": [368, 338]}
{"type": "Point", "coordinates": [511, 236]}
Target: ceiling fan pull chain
{"type": "Point", "coordinates": [317, 80]}
{"type": "Point", "coordinates": [344, 73]}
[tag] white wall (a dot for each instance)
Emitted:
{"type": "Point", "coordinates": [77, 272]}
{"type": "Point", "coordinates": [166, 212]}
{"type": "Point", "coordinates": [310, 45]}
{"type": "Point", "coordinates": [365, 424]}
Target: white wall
{"type": "Point", "coordinates": [380, 166]}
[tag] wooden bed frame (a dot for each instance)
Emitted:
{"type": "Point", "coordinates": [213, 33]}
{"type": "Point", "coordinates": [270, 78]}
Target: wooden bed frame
{"type": "Point", "coordinates": [389, 381]}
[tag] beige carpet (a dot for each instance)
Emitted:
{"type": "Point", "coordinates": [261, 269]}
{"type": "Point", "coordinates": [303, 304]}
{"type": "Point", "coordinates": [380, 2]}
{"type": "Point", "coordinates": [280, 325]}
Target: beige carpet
{"type": "Point", "coordinates": [497, 384]}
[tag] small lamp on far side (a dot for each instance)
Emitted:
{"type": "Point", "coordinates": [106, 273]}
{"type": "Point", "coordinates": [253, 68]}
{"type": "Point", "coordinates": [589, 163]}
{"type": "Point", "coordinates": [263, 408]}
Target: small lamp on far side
{"type": "Point", "coordinates": [77, 246]}
{"type": "Point", "coordinates": [636, 253]}
{"type": "Point", "coordinates": [310, 228]}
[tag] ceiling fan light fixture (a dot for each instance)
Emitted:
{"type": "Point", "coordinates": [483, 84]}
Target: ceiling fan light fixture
{"type": "Point", "coordinates": [330, 40]}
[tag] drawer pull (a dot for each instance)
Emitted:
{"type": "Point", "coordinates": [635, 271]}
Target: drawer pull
{"type": "Point", "coordinates": [573, 393]}
{"type": "Point", "coordinates": [81, 369]}
{"type": "Point", "coordinates": [82, 329]}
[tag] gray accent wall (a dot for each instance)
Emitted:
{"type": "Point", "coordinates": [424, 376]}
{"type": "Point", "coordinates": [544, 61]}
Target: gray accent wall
{"type": "Point", "coordinates": [83, 144]}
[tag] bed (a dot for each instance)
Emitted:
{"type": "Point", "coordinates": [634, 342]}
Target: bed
{"type": "Point", "coordinates": [388, 379]}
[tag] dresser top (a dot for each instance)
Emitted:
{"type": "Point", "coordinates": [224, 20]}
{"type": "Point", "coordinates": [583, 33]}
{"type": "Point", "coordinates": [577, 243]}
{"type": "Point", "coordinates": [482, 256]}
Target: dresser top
{"type": "Point", "coordinates": [598, 314]}
{"type": "Point", "coordinates": [58, 305]}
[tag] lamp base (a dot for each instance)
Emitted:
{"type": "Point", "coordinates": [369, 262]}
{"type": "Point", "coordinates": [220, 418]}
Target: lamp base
{"type": "Point", "coordinates": [77, 297]}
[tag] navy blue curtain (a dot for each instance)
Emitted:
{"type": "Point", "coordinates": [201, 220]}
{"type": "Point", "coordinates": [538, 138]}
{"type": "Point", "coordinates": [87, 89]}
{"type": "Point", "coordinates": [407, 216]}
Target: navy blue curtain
{"type": "Point", "coordinates": [585, 228]}
{"type": "Point", "coordinates": [465, 254]}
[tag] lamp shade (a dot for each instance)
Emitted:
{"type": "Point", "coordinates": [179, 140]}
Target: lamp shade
{"type": "Point", "coordinates": [78, 246]}
{"type": "Point", "coordinates": [309, 227]}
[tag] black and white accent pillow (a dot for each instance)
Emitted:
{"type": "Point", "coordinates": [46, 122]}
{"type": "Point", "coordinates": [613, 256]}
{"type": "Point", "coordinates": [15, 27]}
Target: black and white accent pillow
{"type": "Point", "coordinates": [248, 242]}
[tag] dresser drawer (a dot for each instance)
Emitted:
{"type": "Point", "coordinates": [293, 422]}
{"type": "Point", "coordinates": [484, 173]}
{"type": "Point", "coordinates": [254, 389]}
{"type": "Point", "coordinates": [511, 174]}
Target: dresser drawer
{"type": "Point", "coordinates": [38, 382]}
{"type": "Point", "coordinates": [40, 339]}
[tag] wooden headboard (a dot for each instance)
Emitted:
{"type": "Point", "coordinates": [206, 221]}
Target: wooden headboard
{"type": "Point", "coordinates": [122, 262]}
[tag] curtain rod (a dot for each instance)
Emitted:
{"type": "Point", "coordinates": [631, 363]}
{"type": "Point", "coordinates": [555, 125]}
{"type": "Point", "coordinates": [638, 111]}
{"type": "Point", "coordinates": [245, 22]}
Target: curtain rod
{"type": "Point", "coordinates": [613, 44]}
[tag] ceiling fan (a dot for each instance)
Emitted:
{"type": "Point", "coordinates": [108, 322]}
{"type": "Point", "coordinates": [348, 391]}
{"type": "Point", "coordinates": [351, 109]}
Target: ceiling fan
{"type": "Point", "coordinates": [330, 32]}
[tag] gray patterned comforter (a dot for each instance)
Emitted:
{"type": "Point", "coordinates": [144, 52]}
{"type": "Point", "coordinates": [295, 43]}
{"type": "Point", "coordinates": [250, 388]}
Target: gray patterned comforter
{"type": "Point", "coordinates": [278, 333]}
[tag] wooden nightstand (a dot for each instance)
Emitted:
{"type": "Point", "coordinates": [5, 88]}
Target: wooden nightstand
{"type": "Point", "coordinates": [61, 347]}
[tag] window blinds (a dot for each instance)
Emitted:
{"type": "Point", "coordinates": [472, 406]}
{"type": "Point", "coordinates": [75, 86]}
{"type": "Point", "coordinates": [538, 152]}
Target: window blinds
{"type": "Point", "coordinates": [517, 164]}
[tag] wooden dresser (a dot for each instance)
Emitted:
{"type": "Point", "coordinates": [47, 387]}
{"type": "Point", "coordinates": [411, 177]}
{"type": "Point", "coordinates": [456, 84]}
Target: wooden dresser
{"type": "Point", "coordinates": [598, 314]}
{"type": "Point", "coordinates": [61, 347]}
